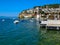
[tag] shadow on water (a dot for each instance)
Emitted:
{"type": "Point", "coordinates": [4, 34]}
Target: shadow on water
{"type": "Point", "coordinates": [49, 37]}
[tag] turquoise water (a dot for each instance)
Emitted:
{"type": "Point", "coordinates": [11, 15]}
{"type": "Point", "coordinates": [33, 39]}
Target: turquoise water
{"type": "Point", "coordinates": [23, 33]}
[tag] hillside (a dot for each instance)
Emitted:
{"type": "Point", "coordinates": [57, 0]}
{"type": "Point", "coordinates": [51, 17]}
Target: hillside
{"type": "Point", "coordinates": [52, 6]}
{"type": "Point", "coordinates": [30, 13]}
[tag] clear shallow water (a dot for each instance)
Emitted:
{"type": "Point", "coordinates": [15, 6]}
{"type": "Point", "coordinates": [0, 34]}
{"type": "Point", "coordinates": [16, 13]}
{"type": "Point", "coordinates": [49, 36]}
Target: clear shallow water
{"type": "Point", "coordinates": [26, 32]}
{"type": "Point", "coordinates": [49, 37]}
{"type": "Point", "coordinates": [23, 33]}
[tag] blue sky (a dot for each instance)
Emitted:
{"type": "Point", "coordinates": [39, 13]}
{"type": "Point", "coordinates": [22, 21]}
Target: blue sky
{"type": "Point", "coordinates": [14, 7]}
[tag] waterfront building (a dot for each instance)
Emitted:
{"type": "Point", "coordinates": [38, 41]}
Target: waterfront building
{"type": "Point", "coordinates": [30, 11]}
{"type": "Point", "coordinates": [43, 13]}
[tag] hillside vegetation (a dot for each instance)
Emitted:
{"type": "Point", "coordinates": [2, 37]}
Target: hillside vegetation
{"type": "Point", "coordinates": [52, 6]}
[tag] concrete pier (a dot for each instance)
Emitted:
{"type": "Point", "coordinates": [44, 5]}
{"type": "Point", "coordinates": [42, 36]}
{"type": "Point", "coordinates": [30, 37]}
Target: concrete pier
{"type": "Point", "coordinates": [51, 24]}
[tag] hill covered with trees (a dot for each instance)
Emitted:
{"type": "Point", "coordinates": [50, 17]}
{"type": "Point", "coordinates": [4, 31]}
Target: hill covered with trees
{"type": "Point", "coordinates": [51, 6]}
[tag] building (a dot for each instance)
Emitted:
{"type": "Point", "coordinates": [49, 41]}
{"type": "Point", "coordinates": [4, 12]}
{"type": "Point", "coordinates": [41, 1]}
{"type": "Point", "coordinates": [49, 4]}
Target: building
{"type": "Point", "coordinates": [43, 13]}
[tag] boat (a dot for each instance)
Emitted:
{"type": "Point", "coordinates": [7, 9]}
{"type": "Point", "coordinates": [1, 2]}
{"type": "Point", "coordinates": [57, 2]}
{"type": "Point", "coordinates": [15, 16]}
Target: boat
{"type": "Point", "coordinates": [3, 20]}
{"type": "Point", "coordinates": [16, 21]}
{"type": "Point", "coordinates": [31, 20]}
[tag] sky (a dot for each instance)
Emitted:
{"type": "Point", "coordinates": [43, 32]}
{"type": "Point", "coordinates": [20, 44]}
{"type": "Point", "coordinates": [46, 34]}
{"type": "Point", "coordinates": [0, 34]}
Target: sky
{"type": "Point", "coordinates": [14, 7]}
